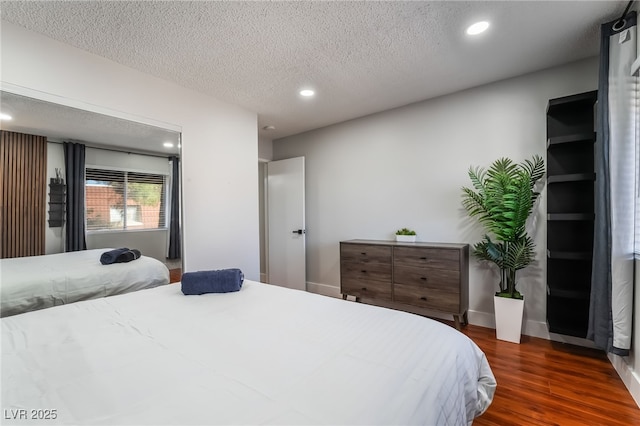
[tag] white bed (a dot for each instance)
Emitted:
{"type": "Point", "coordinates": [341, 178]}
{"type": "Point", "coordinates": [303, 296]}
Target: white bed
{"type": "Point", "coordinates": [263, 355]}
{"type": "Point", "coordinates": [36, 282]}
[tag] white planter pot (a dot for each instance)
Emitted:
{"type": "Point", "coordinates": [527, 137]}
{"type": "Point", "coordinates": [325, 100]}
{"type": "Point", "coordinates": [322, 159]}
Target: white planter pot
{"type": "Point", "coordinates": [508, 318]}
{"type": "Point", "coordinates": [406, 238]}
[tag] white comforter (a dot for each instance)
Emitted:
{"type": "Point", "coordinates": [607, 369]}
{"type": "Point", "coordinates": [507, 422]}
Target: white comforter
{"type": "Point", "coordinates": [36, 282]}
{"type": "Point", "coordinates": [264, 355]}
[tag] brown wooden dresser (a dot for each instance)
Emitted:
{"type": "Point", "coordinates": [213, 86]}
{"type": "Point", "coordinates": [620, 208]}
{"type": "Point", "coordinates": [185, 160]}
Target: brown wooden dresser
{"type": "Point", "coordinates": [432, 276]}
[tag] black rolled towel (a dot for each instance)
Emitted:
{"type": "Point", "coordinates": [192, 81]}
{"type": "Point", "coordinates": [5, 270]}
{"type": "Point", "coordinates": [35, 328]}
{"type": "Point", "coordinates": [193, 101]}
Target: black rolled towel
{"type": "Point", "coordinates": [128, 256]}
{"type": "Point", "coordinates": [220, 281]}
{"type": "Point", "coordinates": [111, 256]}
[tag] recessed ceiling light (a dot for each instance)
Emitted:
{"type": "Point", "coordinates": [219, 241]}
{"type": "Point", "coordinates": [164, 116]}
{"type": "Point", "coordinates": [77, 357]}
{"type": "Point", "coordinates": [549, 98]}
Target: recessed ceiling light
{"type": "Point", "coordinates": [5, 117]}
{"type": "Point", "coordinates": [477, 28]}
{"type": "Point", "coordinates": [307, 92]}
{"type": "Point", "coordinates": [168, 145]}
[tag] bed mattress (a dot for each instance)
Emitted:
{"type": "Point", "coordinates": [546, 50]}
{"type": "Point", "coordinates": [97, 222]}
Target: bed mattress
{"type": "Point", "coordinates": [263, 355]}
{"type": "Point", "coordinates": [36, 282]}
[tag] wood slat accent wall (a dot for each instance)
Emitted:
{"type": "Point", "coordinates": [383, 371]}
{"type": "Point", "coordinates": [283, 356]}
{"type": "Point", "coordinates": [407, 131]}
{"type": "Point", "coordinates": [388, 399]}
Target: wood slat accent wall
{"type": "Point", "coordinates": [24, 194]}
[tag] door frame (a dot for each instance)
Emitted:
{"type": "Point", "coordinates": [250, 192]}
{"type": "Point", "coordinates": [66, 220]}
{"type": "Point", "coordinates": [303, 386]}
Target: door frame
{"type": "Point", "coordinates": [264, 231]}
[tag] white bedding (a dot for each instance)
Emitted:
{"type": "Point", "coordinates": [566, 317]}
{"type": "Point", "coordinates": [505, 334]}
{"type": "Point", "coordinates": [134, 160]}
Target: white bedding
{"type": "Point", "coordinates": [36, 282]}
{"type": "Point", "coordinates": [264, 355]}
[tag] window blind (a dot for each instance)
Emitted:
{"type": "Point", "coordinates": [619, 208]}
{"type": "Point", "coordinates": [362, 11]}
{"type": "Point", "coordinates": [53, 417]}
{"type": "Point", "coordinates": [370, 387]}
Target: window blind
{"type": "Point", "coordinates": [122, 200]}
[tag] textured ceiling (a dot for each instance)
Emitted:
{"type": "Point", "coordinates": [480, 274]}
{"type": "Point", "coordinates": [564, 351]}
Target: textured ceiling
{"type": "Point", "coordinates": [360, 57]}
{"type": "Point", "coordinates": [64, 123]}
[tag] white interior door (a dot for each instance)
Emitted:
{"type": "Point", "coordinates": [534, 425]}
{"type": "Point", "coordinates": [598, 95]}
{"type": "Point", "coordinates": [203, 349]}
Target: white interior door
{"type": "Point", "coordinates": [286, 226]}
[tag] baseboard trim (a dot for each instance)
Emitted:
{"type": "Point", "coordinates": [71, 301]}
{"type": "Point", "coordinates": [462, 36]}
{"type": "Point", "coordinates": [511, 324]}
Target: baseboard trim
{"type": "Point", "coordinates": [324, 289]}
{"type": "Point", "coordinates": [529, 327]}
{"type": "Point", "coordinates": [630, 378]}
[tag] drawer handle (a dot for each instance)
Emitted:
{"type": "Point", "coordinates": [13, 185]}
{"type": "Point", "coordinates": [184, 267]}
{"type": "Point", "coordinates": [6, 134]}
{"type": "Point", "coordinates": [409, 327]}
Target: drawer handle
{"type": "Point", "coordinates": [423, 278]}
{"type": "Point", "coordinates": [364, 253]}
{"type": "Point", "coordinates": [364, 289]}
{"type": "Point", "coordinates": [364, 271]}
{"type": "Point", "coordinates": [423, 258]}
{"type": "Point", "coordinates": [423, 298]}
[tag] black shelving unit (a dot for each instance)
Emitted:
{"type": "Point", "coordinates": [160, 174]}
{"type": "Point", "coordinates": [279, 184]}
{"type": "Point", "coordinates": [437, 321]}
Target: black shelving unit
{"type": "Point", "coordinates": [56, 203]}
{"type": "Point", "coordinates": [570, 211]}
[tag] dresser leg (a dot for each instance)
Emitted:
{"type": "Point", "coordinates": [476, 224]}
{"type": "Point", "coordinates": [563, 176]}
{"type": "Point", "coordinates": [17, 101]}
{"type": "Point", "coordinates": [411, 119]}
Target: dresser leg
{"type": "Point", "coordinates": [456, 320]}
{"type": "Point", "coordinates": [344, 297]}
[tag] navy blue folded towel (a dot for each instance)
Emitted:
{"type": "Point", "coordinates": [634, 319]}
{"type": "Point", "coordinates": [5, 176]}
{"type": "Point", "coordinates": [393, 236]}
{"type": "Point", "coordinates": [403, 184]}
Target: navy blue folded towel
{"type": "Point", "coordinates": [128, 256]}
{"type": "Point", "coordinates": [109, 257]}
{"type": "Point", "coordinates": [221, 281]}
{"type": "Point", "coordinates": [120, 255]}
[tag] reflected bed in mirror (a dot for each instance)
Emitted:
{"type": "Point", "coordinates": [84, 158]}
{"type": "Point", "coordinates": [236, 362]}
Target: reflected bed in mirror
{"type": "Point", "coordinates": [130, 184]}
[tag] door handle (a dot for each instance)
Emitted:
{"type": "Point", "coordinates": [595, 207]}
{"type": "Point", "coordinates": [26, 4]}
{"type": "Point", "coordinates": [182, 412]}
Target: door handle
{"type": "Point", "coordinates": [298, 231]}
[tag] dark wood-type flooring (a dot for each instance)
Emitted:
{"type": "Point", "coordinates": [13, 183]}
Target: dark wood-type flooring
{"type": "Point", "coordinates": [175, 275]}
{"type": "Point", "coordinates": [541, 382]}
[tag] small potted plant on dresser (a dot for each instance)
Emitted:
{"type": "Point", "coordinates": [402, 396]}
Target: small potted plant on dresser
{"type": "Point", "coordinates": [502, 199]}
{"type": "Point", "coordinates": [406, 235]}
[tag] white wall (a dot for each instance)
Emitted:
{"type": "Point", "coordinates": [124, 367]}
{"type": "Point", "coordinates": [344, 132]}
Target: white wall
{"type": "Point", "coordinates": [405, 167]}
{"type": "Point", "coordinates": [151, 243]}
{"type": "Point", "coordinates": [219, 140]}
{"type": "Point", "coordinates": [265, 149]}
{"type": "Point", "coordinates": [629, 367]}
{"type": "Point", "coordinates": [127, 161]}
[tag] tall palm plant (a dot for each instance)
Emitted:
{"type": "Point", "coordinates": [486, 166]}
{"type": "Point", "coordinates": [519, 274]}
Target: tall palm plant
{"type": "Point", "coordinates": [502, 199]}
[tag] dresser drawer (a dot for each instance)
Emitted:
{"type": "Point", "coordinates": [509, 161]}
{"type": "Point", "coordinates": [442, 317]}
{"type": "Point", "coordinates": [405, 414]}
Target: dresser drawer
{"type": "Point", "coordinates": [362, 287]}
{"type": "Point", "coordinates": [365, 253]}
{"type": "Point", "coordinates": [430, 257]}
{"type": "Point", "coordinates": [440, 300]}
{"type": "Point", "coordinates": [366, 271]}
{"type": "Point", "coordinates": [433, 278]}
{"type": "Point", "coordinates": [428, 276]}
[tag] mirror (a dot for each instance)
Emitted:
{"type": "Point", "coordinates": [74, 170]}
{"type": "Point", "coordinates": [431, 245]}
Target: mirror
{"type": "Point", "coordinates": [112, 143]}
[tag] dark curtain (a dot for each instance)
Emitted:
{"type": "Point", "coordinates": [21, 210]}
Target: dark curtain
{"type": "Point", "coordinates": [174, 217]}
{"type": "Point", "coordinates": [74, 154]}
{"type": "Point", "coordinates": [611, 302]}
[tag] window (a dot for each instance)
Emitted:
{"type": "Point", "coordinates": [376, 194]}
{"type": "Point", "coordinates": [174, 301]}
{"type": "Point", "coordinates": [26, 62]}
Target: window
{"type": "Point", "coordinates": [121, 200]}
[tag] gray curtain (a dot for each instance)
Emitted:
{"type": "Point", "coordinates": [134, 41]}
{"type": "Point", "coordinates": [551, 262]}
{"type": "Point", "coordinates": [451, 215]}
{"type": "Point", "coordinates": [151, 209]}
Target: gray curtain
{"type": "Point", "coordinates": [174, 218]}
{"type": "Point", "coordinates": [611, 305]}
{"type": "Point", "coordinates": [74, 154]}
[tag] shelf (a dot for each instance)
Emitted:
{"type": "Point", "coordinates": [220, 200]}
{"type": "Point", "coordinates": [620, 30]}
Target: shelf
{"type": "Point", "coordinates": [568, 316]}
{"type": "Point", "coordinates": [574, 138]}
{"type": "Point", "coordinates": [575, 177]}
{"type": "Point", "coordinates": [569, 255]}
{"type": "Point", "coordinates": [567, 293]}
{"type": "Point", "coordinates": [570, 211]}
{"type": "Point", "coordinates": [573, 102]}
{"type": "Point", "coordinates": [571, 216]}
{"type": "Point", "coordinates": [575, 330]}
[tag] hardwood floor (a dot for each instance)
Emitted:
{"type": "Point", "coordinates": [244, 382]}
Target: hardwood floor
{"type": "Point", "coordinates": [175, 275]}
{"type": "Point", "coordinates": [548, 383]}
